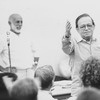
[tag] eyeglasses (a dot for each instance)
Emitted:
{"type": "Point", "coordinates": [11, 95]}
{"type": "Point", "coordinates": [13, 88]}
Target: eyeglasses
{"type": "Point", "coordinates": [89, 26]}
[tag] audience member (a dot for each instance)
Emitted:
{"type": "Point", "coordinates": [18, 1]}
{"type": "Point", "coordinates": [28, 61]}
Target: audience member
{"type": "Point", "coordinates": [3, 89]}
{"type": "Point", "coordinates": [24, 89]}
{"type": "Point", "coordinates": [4, 92]}
{"type": "Point", "coordinates": [46, 76]}
{"type": "Point", "coordinates": [90, 74]}
{"type": "Point", "coordinates": [89, 94]}
{"type": "Point", "coordinates": [9, 79]}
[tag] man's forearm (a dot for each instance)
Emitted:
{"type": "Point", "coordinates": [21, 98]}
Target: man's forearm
{"type": "Point", "coordinates": [67, 46]}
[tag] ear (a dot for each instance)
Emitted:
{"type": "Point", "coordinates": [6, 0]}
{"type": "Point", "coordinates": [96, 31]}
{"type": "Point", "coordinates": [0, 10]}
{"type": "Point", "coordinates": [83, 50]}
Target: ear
{"type": "Point", "coordinates": [77, 30]}
{"type": "Point", "coordinates": [9, 22]}
{"type": "Point", "coordinates": [52, 83]}
{"type": "Point", "coordinates": [93, 27]}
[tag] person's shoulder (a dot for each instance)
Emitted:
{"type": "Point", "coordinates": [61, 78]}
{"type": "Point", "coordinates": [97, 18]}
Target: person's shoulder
{"type": "Point", "coordinates": [44, 95]}
{"type": "Point", "coordinates": [2, 35]}
{"type": "Point", "coordinates": [72, 98]}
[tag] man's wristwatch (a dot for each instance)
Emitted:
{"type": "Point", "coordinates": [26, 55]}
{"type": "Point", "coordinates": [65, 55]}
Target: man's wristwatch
{"type": "Point", "coordinates": [67, 36]}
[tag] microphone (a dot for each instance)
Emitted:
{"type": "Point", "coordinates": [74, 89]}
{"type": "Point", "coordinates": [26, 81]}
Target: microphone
{"type": "Point", "coordinates": [8, 43]}
{"type": "Point", "coordinates": [8, 38]}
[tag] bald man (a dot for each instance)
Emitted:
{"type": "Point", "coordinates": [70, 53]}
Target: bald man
{"type": "Point", "coordinates": [15, 21]}
{"type": "Point", "coordinates": [20, 51]}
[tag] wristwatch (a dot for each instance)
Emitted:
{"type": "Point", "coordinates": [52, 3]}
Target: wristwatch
{"type": "Point", "coordinates": [67, 36]}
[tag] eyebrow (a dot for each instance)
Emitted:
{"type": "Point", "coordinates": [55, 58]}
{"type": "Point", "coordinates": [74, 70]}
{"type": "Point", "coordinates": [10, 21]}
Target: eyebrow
{"type": "Point", "coordinates": [19, 21]}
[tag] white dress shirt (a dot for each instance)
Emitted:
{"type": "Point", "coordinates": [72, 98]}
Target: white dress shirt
{"type": "Point", "coordinates": [20, 51]}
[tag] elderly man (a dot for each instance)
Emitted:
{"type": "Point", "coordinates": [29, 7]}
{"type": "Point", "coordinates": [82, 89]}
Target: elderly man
{"type": "Point", "coordinates": [81, 48]}
{"type": "Point", "coordinates": [20, 51]}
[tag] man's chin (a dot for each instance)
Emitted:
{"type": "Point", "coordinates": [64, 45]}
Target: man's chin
{"type": "Point", "coordinates": [17, 32]}
{"type": "Point", "coordinates": [87, 38]}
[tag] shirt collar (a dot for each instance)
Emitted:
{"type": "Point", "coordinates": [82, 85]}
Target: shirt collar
{"type": "Point", "coordinates": [79, 39]}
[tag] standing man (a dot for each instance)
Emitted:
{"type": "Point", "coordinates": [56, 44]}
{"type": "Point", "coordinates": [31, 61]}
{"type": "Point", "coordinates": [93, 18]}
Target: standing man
{"type": "Point", "coordinates": [81, 48]}
{"type": "Point", "coordinates": [20, 51]}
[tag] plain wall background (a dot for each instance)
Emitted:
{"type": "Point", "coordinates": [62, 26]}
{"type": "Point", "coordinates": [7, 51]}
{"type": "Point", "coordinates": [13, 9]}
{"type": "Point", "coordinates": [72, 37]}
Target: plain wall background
{"type": "Point", "coordinates": [45, 20]}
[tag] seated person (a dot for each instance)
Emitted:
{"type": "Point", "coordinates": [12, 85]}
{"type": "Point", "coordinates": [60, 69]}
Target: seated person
{"type": "Point", "coordinates": [89, 94]}
{"type": "Point", "coordinates": [24, 89]}
{"type": "Point", "coordinates": [4, 92]}
{"type": "Point", "coordinates": [46, 76]}
{"type": "Point", "coordinates": [90, 73]}
{"type": "Point", "coordinates": [9, 79]}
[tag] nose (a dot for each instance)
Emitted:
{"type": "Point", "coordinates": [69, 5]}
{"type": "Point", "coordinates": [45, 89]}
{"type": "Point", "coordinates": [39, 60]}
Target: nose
{"type": "Point", "coordinates": [86, 27]}
{"type": "Point", "coordinates": [20, 23]}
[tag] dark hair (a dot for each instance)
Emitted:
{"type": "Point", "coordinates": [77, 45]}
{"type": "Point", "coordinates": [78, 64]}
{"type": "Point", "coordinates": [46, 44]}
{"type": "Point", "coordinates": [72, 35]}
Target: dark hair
{"type": "Point", "coordinates": [46, 75]}
{"type": "Point", "coordinates": [4, 92]}
{"type": "Point", "coordinates": [90, 72]}
{"type": "Point", "coordinates": [83, 15]}
{"type": "Point", "coordinates": [24, 89]}
{"type": "Point", "coordinates": [89, 94]}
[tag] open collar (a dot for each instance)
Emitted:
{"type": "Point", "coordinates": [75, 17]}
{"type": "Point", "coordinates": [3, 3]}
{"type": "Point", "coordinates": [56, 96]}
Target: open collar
{"type": "Point", "coordinates": [79, 39]}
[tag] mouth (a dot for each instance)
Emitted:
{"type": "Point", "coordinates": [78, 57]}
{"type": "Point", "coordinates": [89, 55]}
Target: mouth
{"type": "Point", "coordinates": [86, 32]}
{"type": "Point", "coordinates": [18, 28]}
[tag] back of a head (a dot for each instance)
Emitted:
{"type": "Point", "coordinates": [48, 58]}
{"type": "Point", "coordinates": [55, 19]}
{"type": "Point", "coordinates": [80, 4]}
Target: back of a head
{"type": "Point", "coordinates": [46, 75]}
{"type": "Point", "coordinates": [25, 89]}
{"type": "Point", "coordinates": [90, 72]}
{"type": "Point", "coordinates": [89, 94]}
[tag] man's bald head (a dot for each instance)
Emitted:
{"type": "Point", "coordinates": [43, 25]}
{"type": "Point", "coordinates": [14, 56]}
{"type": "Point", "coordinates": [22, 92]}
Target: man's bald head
{"type": "Point", "coordinates": [14, 17]}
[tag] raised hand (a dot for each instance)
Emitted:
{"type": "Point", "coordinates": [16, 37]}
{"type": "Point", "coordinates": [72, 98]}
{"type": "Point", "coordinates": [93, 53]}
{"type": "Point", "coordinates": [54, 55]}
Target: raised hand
{"type": "Point", "coordinates": [68, 28]}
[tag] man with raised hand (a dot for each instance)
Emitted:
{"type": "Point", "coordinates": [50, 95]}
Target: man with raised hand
{"type": "Point", "coordinates": [81, 48]}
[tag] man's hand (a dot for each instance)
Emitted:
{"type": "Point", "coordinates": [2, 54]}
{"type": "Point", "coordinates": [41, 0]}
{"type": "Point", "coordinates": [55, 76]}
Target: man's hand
{"type": "Point", "coordinates": [68, 28]}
